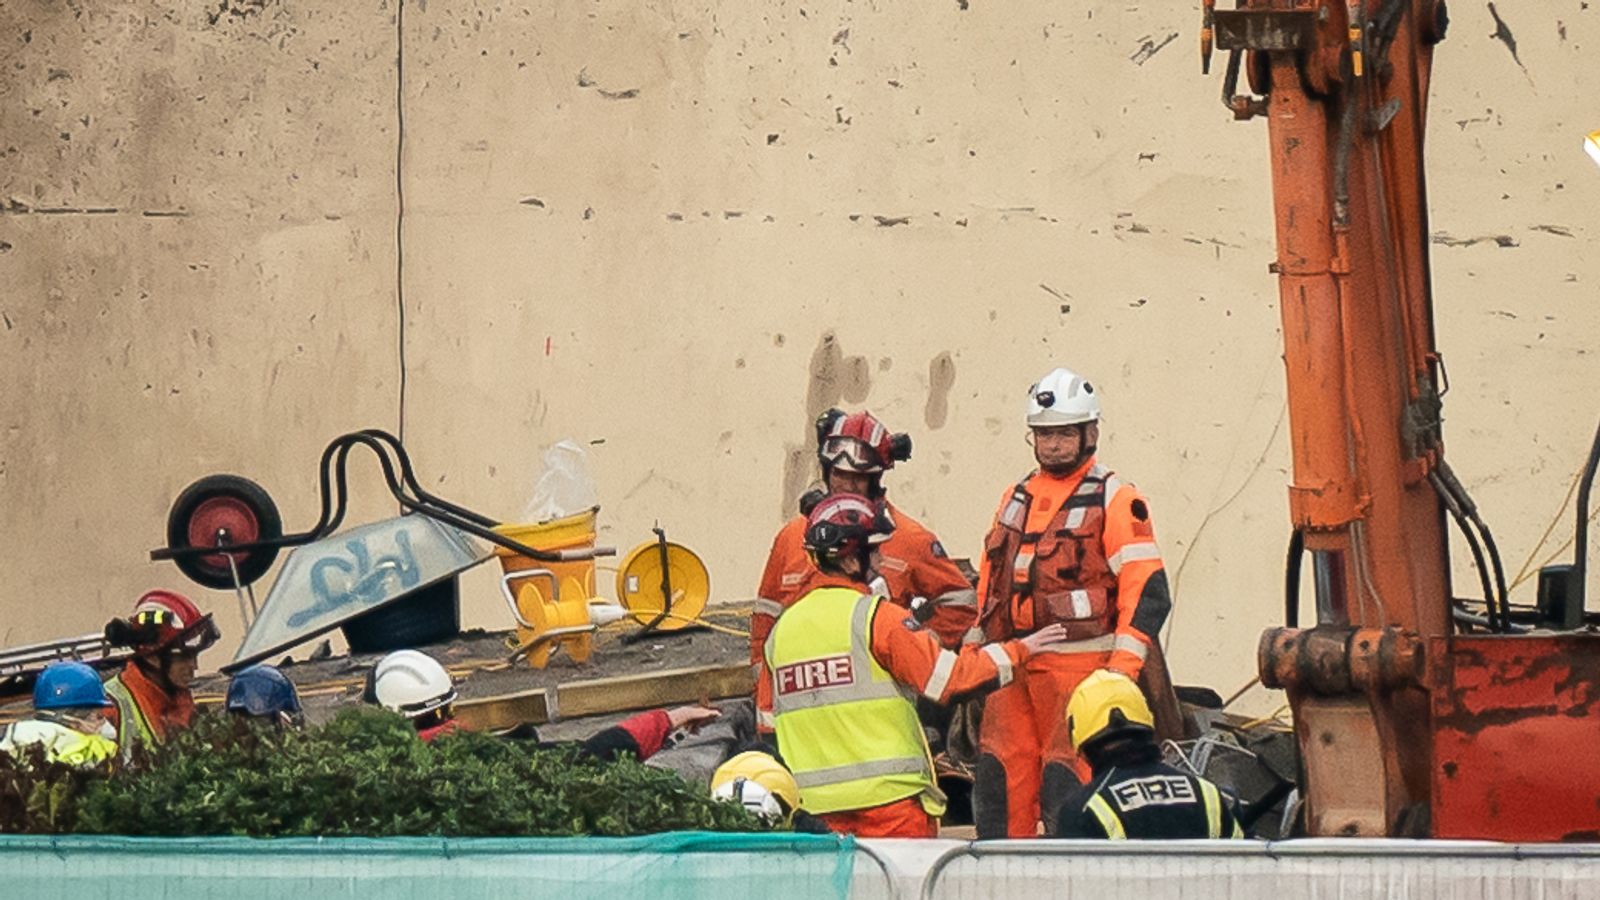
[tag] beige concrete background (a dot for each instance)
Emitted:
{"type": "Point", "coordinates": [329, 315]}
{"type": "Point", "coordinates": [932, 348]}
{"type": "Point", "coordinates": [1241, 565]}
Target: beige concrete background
{"type": "Point", "coordinates": [677, 230]}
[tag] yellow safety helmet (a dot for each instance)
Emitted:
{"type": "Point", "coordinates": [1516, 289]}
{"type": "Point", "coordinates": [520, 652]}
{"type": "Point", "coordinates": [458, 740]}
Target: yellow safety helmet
{"type": "Point", "coordinates": [1104, 704]}
{"type": "Point", "coordinates": [758, 782]}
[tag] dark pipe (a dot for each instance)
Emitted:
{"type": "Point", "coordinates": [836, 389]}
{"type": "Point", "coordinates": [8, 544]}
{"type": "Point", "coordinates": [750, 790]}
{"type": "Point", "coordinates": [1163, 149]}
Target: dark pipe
{"type": "Point", "coordinates": [1580, 535]}
{"type": "Point", "coordinates": [1454, 506]}
{"type": "Point", "coordinates": [1471, 510]}
{"type": "Point", "coordinates": [1291, 579]}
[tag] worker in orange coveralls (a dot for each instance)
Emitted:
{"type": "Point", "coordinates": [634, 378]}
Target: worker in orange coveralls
{"type": "Point", "coordinates": [1073, 546]}
{"type": "Point", "coordinates": [855, 450]}
{"type": "Point", "coordinates": [151, 694]}
{"type": "Point", "coordinates": [845, 666]}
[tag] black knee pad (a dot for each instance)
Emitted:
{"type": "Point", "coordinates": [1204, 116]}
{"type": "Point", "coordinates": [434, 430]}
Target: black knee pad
{"type": "Point", "coordinates": [989, 798]}
{"type": "Point", "coordinates": [1058, 783]}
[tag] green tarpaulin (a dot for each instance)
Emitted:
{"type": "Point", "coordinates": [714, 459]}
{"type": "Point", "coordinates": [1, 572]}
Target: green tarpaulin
{"type": "Point", "coordinates": [665, 866]}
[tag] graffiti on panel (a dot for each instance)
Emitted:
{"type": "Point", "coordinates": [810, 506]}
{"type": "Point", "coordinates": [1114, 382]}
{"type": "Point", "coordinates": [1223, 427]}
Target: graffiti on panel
{"type": "Point", "coordinates": [359, 578]}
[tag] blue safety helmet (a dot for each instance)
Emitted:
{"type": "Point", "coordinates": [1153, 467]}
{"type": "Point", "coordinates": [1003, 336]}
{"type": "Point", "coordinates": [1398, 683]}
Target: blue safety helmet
{"type": "Point", "coordinates": [69, 685]}
{"type": "Point", "coordinates": [262, 691]}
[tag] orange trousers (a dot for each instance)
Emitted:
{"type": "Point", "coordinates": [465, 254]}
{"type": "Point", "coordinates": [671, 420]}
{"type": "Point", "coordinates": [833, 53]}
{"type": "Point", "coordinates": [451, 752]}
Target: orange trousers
{"type": "Point", "coordinates": [1026, 764]}
{"type": "Point", "coordinates": [902, 818]}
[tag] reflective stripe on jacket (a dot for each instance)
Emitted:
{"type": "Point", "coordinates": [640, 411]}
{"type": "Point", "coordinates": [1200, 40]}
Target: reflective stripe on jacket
{"type": "Point", "coordinates": [61, 743]}
{"type": "Point", "coordinates": [1079, 550]}
{"type": "Point", "coordinates": [133, 727]}
{"type": "Point", "coordinates": [1059, 574]}
{"type": "Point", "coordinates": [1149, 801]}
{"type": "Point", "coordinates": [847, 730]}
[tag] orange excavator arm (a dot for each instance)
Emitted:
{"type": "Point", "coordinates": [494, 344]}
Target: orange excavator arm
{"type": "Point", "coordinates": [1411, 715]}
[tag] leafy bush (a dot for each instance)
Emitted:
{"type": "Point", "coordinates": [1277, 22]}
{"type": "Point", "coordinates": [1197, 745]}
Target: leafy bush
{"type": "Point", "coordinates": [39, 797]}
{"type": "Point", "coordinates": [365, 773]}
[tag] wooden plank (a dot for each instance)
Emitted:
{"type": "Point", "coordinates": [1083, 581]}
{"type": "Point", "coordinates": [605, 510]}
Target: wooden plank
{"type": "Point", "coordinates": [504, 711]}
{"type": "Point", "coordinates": [605, 696]}
{"type": "Point", "coordinates": [666, 688]}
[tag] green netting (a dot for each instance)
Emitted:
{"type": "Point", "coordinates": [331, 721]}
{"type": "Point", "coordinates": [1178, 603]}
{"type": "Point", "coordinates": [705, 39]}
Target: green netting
{"type": "Point", "coordinates": [668, 866]}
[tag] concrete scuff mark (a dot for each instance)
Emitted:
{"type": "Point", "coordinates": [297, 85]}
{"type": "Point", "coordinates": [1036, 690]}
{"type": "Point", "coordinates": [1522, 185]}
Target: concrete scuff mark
{"type": "Point", "coordinates": [891, 221]}
{"type": "Point", "coordinates": [1499, 240]}
{"type": "Point", "coordinates": [236, 9]}
{"type": "Point", "coordinates": [832, 378]}
{"type": "Point", "coordinates": [584, 81]}
{"type": "Point", "coordinates": [1149, 48]}
{"type": "Point", "coordinates": [941, 378]}
{"type": "Point", "coordinates": [1502, 33]}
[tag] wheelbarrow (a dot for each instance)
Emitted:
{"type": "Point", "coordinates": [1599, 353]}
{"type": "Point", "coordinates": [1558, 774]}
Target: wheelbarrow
{"type": "Point", "coordinates": [225, 532]}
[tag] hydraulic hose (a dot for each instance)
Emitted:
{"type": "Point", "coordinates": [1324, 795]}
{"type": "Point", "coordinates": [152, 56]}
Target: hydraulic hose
{"type": "Point", "coordinates": [1291, 579]}
{"type": "Point", "coordinates": [1470, 509]}
{"type": "Point", "coordinates": [1454, 506]}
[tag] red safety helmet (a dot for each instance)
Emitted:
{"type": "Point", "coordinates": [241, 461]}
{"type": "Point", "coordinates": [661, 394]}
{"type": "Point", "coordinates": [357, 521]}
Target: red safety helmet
{"type": "Point", "coordinates": [846, 525]}
{"type": "Point", "coordinates": [858, 442]}
{"type": "Point", "coordinates": [164, 621]}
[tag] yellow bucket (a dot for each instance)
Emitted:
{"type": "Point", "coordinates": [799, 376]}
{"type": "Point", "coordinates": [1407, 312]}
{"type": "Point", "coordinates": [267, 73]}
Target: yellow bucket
{"type": "Point", "coordinates": [639, 585]}
{"type": "Point", "coordinates": [566, 533]}
{"type": "Point", "coordinates": [551, 594]}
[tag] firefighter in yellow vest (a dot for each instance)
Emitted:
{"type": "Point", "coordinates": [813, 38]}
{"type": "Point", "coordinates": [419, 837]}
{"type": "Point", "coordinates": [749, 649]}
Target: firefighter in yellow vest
{"type": "Point", "coordinates": [69, 721]}
{"type": "Point", "coordinates": [846, 668]}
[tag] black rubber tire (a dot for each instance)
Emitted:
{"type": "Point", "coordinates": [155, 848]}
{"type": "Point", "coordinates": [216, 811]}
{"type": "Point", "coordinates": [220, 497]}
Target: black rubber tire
{"type": "Point", "coordinates": [269, 524]}
{"type": "Point", "coordinates": [427, 616]}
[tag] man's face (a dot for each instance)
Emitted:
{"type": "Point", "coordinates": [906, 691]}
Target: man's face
{"type": "Point", "coordinates": [1060, 447]}
{"type": "Point", "coordinates": [89, 720]}
{"type": "Point", "coordinates": [842, 482]}
{"type": "Point", "coordinates": [181, 669]}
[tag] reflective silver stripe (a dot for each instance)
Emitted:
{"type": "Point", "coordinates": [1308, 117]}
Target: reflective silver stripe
{"type": "Point", "coordinates": [967, 597]}
{"type": "Point", "coordinates": [1102, 644]}
{"type": "Point", "coordinates": [1108, 819]}
{"type": "Point", "coordinates": [1020, 568]}
{"type": "Point", "coordinates": [974, 635]}
{"type": "Point", "coordinates": [1131, 552]}
{"type": "Point", "coordinates": [1001, 662]}
{"type": "Point", "coordinates": [1098, 471]}
{"type": "Point", "coordinates": [1075, 517]}
{"type": "Point", "coordinates": [1213, 804]}
{"type": "Point", "coordinates": [943, 668]}
{"type": "Point", "coordinates": [1127, 643]}
{"type": "Point", "coordinates": [864, 688]}
{"type": "Point", "coordinates": [766, 719]}
{"type": "Point", "coordinates": [903, 765]}
{"type": "Point", "coordinates": [1080, 604]}
{"type": "Point", "coordinates": [1113, 484]}
{"type": "Point", "coordinates": [766, 607]}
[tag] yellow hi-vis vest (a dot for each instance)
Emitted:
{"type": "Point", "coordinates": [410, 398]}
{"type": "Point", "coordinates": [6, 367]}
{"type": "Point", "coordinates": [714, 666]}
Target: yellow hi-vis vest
{"type": "Point", "coordinates": [60, 743]}
{"type": "Point", "coordinates": [133, 729]}
{"type": "Point", "coordinates": [846, 729]}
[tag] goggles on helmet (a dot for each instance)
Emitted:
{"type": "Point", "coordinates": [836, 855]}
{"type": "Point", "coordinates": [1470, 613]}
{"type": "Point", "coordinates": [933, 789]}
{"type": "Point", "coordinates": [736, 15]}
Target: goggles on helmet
{"type": "Point", "coordinates": [851, 455]}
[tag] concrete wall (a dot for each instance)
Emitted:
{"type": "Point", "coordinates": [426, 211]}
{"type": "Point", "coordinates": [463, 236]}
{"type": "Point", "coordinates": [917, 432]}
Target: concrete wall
{"type": "Point", "coordinates": [678, 230]}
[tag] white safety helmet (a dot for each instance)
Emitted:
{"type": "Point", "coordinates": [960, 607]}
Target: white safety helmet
{"type": "Point", "coordinates": [411, 683]}
{"type": "Point", "coordinates": [1062, 397]}
{"type": "Point", "coordinates": [753, 796]}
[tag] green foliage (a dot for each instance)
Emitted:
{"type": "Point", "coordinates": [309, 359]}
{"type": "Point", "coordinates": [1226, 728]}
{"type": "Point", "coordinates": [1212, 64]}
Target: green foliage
{"type": "Point", "coordinates": [366, 773]}
{"type": "Point", "coordinates": [38, 796]}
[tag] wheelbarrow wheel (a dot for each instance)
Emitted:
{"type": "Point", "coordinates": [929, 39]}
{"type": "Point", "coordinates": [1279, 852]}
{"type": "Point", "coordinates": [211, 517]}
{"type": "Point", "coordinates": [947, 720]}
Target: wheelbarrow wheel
{"type": "Point", "coordinates": [228, 503]}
